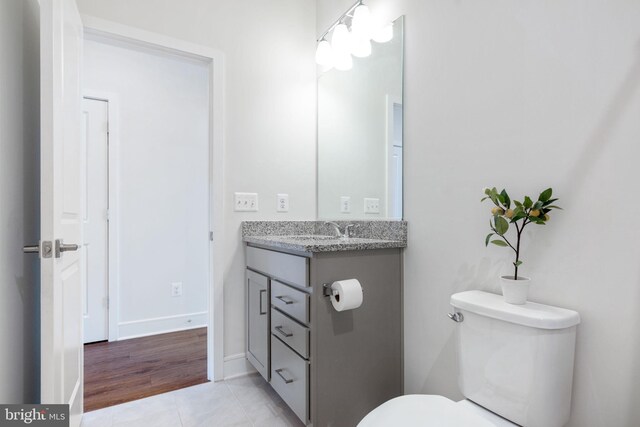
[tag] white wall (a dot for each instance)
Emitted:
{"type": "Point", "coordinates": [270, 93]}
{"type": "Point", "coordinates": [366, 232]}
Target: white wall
{"type": "Point", "coordinates": [162, 174]}
{"type": "Point", "coordinates": [525, 95]}
{"type": "Point", "coordinates": [19, 200]}
{"type": "Point", "coordinates": [269, 110]}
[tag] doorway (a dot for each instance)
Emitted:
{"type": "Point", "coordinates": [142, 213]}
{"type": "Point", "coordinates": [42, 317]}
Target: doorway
{"type": "Point", "coordinates": [95, 221]}
{"type": "Point", "coordinates": [147, 247]}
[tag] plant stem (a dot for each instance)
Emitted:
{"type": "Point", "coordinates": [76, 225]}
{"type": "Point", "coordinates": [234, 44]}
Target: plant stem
{"type": "Point", "coordinates": [520, 230]}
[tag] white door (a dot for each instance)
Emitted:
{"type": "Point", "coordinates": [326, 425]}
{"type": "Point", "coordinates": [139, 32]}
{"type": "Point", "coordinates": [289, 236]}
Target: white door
{"type": "Point", "coordinates": [60, 204]}
{"type": "Point", "coordinates": [94, 250]}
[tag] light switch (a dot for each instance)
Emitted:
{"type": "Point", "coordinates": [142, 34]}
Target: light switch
{"type": "Point", "coordinates": [345, 204]}
{"type": "Point", "coordinates": [371, 206]}
{"type": "Point", "coordinates": [282, 201]}
{"type": "Point", "coordinates": [246, 202]}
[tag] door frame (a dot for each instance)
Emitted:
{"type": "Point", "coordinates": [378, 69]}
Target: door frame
{"type": "Point", "coordinates": [215, 59]}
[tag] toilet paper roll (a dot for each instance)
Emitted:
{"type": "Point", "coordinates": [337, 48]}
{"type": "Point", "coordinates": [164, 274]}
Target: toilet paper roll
{"type": "Point", "coordinates": [346, 294]}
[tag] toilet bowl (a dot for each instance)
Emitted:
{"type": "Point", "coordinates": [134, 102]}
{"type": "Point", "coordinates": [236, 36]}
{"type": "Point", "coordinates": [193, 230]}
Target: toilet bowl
{"type": "Point", "coordinates": [423, 410]}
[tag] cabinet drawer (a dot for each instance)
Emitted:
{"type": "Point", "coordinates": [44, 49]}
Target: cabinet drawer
{"type": "Point", "coordinates": [290, 378]}
{"type": "Point", "coordinates": [291, 301]}
{"type": "Point", "coordinates": [290, 332]}
{"type": "Point", "coordinates": [290, 268]}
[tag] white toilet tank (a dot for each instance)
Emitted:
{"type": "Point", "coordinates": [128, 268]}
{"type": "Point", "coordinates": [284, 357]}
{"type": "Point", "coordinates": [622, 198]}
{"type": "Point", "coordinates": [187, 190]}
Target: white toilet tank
{"type": "Point", "coordinates": [516, 360]}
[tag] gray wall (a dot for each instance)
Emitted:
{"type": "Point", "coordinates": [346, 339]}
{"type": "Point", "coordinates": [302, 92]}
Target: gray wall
{"type": "Point", "coordinates": [19, 200]}
{"type": "Point", "coordinates": [524, 94]}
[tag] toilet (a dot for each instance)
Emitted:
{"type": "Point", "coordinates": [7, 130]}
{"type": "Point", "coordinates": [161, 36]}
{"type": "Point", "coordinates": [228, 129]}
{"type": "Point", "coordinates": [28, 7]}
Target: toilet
{"type": "Point", "coordinates": [515, 369]}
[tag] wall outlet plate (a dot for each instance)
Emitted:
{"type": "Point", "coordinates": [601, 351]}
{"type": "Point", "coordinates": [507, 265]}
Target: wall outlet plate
{"type": "Point", "coordinates": [246, 202]}
{"type": "Point", "coordinates": [282, 203]}
{"type": "Point", "coordinates": [345, 204]}
{"type": "Point", "coordinates": [176, 289]}
{"type": "Point", "coordinates": [371, 205]}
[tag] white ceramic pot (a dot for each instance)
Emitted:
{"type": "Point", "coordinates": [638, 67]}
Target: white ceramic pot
{"type": "Point", "coordinates": [515, 291]}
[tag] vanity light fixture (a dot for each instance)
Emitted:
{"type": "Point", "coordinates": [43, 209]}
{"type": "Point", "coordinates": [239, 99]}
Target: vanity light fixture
{"type": "Point", "coordinates": [353, 39]}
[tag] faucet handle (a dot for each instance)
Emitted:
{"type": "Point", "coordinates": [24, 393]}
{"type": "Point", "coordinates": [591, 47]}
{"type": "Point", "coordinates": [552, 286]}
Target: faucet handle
{"type": "Point", "coordinates": [348, 228]}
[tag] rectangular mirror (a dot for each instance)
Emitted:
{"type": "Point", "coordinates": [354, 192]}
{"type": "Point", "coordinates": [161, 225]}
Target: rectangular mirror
{"type": "Point", "coordinates": [360, 135]}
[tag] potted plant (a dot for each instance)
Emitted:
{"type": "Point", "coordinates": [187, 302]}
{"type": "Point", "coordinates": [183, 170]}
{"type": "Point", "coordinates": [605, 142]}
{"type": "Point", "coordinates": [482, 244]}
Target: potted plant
{"type": "Point", "coordinates": [515, 288]}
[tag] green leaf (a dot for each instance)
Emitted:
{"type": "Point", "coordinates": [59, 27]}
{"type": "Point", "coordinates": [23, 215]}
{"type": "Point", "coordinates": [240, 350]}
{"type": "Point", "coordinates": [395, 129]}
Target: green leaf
{"type": "Point", "coordinates": [502, 200]}
{"type": "Point", "coordinates": [501, 225]}
{"type": "Point", "coordinates": [517, 264]}
{"type": "Point", "coordinates": [545, 195]}
{"type": "Point", "coordinates": [554, 207]}
{"type": "Point", "coordinates": [518, 216]}
{"type": "Point", "coordinates": [517, 203]}
{"type": "Point", "coordinates": [486, 241]}
{"type": "Point", "coordinates": [499, 243]}
{"type": "Point", "coordinates": [537, 205]}
{"type": "Point", "coordinates": [484, 198]}
{"type": "Point", "coordinates": [548, 202]}
{"type": "Point", "coordinates": [487, 191]}
{"type": "Point", "coordinates": [505, 197]}
{"type": "Point", "coordinates": [527, 202]}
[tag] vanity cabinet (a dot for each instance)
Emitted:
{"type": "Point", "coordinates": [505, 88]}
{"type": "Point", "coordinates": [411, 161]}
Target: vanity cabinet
{"type": "Point", "coordinates": [330, 367]}
{"type": "Point", "coordinates": [258, 322]}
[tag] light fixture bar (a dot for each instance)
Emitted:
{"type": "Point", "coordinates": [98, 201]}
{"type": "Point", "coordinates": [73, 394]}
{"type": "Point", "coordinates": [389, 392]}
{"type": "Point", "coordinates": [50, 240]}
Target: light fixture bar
{"type": "Point", "coordinates": [339, 20]}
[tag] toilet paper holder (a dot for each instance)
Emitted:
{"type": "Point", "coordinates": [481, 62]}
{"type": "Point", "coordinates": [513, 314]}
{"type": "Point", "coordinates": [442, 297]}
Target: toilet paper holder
{"type": "Point", "coordinates": [327, 291]}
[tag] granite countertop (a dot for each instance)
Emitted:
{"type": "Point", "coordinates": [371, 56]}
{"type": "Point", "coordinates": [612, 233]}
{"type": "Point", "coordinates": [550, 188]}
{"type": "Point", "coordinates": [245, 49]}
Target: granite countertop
{"type": "Point", "coordinates": [316, 236]}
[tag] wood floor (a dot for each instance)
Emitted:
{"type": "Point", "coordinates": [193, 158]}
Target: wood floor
{"type": "Point", "coordinates": [121, 371]}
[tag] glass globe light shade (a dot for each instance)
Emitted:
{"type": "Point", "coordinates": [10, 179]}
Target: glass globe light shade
{"type": "Point", "coordinates": [384, 34]}
{"type": "Point", "coordinates": [361, 23]}
{"type": "Point", "coordinates": [324, 54]}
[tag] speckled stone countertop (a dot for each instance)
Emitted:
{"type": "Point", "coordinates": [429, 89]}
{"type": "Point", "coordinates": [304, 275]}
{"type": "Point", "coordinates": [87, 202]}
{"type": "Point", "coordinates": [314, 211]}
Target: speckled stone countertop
{"type": "Point", "coordinates": [316, 236]}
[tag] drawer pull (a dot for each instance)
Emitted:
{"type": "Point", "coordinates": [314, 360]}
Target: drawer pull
{"type": "Point", "coordinates": [285, 299]}
{"type": "Point", "coordinates": [286, 380]}
{"type": "Point", "coordinates": [262, 292]}
{"type": "Point", "coordinates": [286, 334]}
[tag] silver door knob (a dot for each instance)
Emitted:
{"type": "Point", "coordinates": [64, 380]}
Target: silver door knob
{"type": "Point", "coordinates": [64, 247]}
{"type": "Point", "coordinates": [31, 249]}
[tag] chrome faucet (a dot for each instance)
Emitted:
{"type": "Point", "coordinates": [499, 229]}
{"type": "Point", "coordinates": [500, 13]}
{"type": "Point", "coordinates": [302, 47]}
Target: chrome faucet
{"type": "Point", "coordinates": [339, 233]}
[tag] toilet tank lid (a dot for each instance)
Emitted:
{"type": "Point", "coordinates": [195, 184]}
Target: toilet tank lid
{"type": "Point", "coordinates": [530, 314]}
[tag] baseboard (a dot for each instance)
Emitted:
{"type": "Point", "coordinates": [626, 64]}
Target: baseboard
{"type": "Point", "coordinates": [236, 366]}
{"type": "Point", "coordinates": [161, 325]}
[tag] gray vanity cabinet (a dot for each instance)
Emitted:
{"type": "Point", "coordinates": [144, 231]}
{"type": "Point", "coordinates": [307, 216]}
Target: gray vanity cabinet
{"type": "Point", "coordinates": [258, 322]}
{"type": "Point", "coordinates": [330, 367]}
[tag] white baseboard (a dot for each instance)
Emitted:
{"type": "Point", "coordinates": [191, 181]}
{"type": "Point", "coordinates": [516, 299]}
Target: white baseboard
{"type": "Point", "coordinates": [237, 365]}
{"type": "Point", "coordinates": [161, 325]}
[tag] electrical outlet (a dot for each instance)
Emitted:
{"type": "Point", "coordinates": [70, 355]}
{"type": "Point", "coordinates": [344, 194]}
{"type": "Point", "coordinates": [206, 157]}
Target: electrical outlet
{"type": "Point", "coordinates": [176, 289]}
{"type": "Point", "coordinates": [371, 206]}
{"type": "Point", "coordinates": [282, 203]}
{"type": "Point", "coordinates": [345, 204]}
{"type": "Point", "coordinates": [246, 202]}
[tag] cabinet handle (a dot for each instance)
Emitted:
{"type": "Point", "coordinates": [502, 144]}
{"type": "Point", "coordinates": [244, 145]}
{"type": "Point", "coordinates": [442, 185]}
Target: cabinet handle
{"type": "Point", "coordinates": [286, 334]}
{"type": "Point", "coordinates": [262, 292]}
{"type": "Point", "coordinates": [285, 299]}
{"type": "Point", "coordinates": [286, 380]}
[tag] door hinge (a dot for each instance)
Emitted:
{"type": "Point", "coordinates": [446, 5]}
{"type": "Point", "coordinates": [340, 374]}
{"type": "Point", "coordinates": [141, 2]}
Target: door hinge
{"type": "Point", "coordinates": [211, 236]}
{"type": "Point", "coordinates": [108, 215]}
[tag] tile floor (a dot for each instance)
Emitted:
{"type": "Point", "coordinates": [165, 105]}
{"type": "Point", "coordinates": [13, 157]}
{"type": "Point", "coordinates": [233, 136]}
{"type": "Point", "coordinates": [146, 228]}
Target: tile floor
{"type": "Point", "coordinates": [242, 402]}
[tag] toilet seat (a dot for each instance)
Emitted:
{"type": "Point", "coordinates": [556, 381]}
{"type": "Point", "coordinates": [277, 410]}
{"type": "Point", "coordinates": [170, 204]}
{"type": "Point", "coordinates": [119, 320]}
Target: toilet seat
{"type": "Point", "coordinates": [420, 410]}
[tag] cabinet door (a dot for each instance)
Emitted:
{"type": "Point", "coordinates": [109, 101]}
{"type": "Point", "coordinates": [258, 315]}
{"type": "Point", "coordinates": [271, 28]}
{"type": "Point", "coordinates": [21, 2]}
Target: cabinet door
{"type": "Point", "coordinates": [258, 322]}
